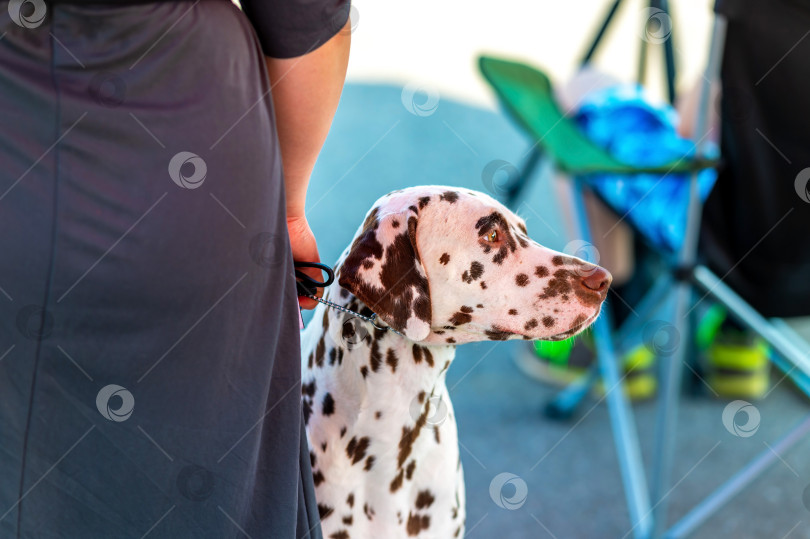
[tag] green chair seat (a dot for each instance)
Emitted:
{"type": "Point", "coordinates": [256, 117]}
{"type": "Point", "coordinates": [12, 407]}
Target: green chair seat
{"type": "Point", "coordinates": [527, 95]}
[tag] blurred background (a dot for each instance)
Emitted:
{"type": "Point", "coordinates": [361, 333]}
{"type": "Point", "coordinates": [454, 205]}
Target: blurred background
{"type": "Point", "coordinates": [416, 54]}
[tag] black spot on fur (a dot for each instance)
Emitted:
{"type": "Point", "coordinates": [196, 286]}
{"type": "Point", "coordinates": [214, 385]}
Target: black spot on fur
{"type": "Point", "coordinates": [356, 449]}
{"type": "Point", "coordinates": [376, 356]}
{"type": "Point", "coordinates": [410, 469]}
{"type": "Point", "coordinates": [424, 499]}
{"type": "Point", "coordinates": [319, 351]}
{"type": "Point", "coordinates": [466, 309]}
{"type": "Point", "coordinates": [396, 484]}
{"type": "Point", "coordinates": [521, 279]}
{"type": "Point", "coordinates": [449, 196]}
{"type": "Point", "coordinates": [317, 478]}
{"type": "Point", "coordinates": [325, 511]}
{"type": "Point", "coordinates": [308, 389]}
{"type": "Point", "coordinates": [531, 324]}
{"type": "Point", "coordinates": [391, 359]}
{"type": "Point", "coordinates": [450, 340]}
{"type": "Point", "coordinates": [423, 201]}
{"type": "Point", "coordinates": [364, 371]}
{"type": "Point", "coordinates": [417, 523]}
{"type": "Point", "coordinates": [498, 334]}
{"type": "Point", "coordinates": [328, 404]}
{"type": "Point", "coordinates": [513, 312]}
{"type": "Point", "coordinates": [347, 520]}
{"type": "Point", "coordinates": [548, 321]}
{"type": "Point", "coordinates": [472, 274]}
{"type": "Point", "coordinates": [369, 463]}
{"type": "Point", "coordinates": [444, 259]}
{"type": "Point", "coordinates": [350, 500]}
{"type": "Point", "coordinates": [483, 285]}
{"type": "Point", "coordinates": [460, 318]}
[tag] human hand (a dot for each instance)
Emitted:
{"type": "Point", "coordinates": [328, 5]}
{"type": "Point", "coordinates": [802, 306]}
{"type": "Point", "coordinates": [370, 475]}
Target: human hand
{"type": "Point", "coordinates": [304, 249]}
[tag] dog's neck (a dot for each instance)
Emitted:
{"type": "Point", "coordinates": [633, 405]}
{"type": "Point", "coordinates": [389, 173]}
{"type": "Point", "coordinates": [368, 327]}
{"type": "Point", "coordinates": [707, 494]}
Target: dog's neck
{"type": "Point", "coordinates": [370, 351]}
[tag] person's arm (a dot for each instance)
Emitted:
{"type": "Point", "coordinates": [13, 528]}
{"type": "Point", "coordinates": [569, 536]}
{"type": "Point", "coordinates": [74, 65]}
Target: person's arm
{"type": "Point", "coordinates": [306, 91]}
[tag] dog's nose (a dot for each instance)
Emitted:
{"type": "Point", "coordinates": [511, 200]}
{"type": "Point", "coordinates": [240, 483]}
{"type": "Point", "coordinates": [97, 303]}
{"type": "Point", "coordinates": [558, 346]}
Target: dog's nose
{"type": "Point", "coordinates": [598, 280]}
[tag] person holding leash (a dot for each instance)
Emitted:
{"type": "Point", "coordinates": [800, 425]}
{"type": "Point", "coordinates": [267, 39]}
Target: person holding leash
{"type": "Point", "coordinates": [149, 344]}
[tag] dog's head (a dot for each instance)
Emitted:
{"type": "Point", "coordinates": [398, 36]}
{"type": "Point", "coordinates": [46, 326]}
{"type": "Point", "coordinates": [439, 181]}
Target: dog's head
{"type": "Point", "coordinates": [450, 265]}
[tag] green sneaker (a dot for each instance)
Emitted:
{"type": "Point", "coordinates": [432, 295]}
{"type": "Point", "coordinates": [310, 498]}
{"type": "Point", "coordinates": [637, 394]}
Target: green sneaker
{"type": "Point", "coordinates": [737, 364]}
{"type": "Point", "coordinates": [561, 363]}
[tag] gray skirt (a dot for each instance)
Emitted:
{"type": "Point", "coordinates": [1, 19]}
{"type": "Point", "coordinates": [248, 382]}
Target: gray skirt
{"type": "Point", "coordinates": [149, 345]}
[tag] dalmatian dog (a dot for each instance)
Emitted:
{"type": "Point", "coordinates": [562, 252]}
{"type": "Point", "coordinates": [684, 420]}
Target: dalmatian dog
{"type": "Point", "coordinates": [440, 266]}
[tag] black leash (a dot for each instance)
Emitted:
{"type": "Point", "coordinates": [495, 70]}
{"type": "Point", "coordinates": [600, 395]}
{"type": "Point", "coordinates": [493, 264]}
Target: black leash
{"type": "Point", "coordinates": [307, 286]}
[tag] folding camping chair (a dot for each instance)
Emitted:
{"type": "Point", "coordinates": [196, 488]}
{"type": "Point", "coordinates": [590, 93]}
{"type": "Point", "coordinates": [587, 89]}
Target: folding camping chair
{"type": "Point", "coordinates": [527, 96]}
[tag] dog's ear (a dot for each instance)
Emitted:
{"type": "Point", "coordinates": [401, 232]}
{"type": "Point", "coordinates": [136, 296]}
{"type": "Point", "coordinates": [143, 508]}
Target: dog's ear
{"type": "Point", "coordinates": [383, 269]}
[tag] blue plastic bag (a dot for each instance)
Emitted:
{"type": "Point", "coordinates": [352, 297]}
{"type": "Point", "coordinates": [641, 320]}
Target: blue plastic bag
{"type": "Point", "coordinates": [639, 133]}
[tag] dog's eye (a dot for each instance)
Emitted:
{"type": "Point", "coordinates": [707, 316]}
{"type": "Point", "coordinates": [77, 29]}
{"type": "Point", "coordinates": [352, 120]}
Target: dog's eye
{"type": "Point", "coordinates": [492, 236]}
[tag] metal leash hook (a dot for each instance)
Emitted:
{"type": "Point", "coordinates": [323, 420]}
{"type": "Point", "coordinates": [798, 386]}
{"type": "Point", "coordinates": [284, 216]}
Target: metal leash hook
{"type": "Point", "coordinates": [306, 286]}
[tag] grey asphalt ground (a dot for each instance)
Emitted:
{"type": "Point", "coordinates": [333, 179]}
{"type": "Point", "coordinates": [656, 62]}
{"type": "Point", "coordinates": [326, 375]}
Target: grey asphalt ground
{"type": "Point", "coordinates": [570, 470]}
